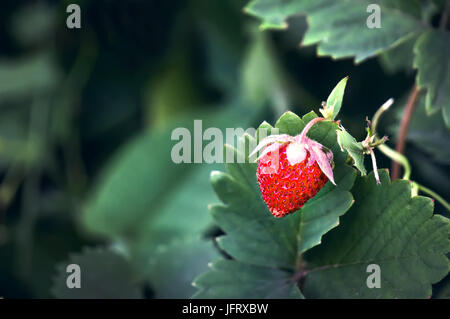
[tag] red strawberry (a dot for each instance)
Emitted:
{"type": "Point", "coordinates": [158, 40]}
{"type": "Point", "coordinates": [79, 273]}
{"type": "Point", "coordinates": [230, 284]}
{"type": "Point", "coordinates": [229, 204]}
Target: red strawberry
{"type": "Point", "coordinates": [291, 170]}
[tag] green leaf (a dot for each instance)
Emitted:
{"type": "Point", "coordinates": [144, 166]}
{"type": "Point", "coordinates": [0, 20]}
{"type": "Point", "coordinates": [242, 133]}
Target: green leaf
{"type": "Point", "coordinates": [433, 63]}
{"type": "Point", "coordinates": [308, 117]}
{"type": "Point", "coordinates": [263, 130]}
{"type": "Point", "coordinates": [386, 227]}
{"type": "Point", "coordinates": [142, 189]}
{"type": "Point", "coordinates": [162, 104]}
{"type": "Point", "coordinates": [169, 277]}
{"type": "Point", "coordinates": [232, 279]}
{"type": "Point", "coordinates": [118, 205]}
{"type": "Point", "coordinates": [354, 149]}
{"type": "Point", "coordinates": [334, 101]}
{"type": "Point", "coordinates": [145, 200]}
{"type": "Point", "coordinates": [19, 78]}
{"type": "Point", "coordinates": [339, 27]}
{"type": "Point", "coordinates": [104, 275]}
{"type": "Point", "coordinates": [290, 123]}
{"type": "Point", "coordinates": [262, 75]}
{"type": "Point", "coordinates": [412, 7]}
{"type": "Point", "coordinates": [400, 57]}
{"type": "Point", "coordinates": [33, 23]}
{"type": "Point", "coordinates": [253, 236]}
{"type": "Point", "coordinates": [14, 146]}
{"type": "Point", "coordinates": [264, 78]}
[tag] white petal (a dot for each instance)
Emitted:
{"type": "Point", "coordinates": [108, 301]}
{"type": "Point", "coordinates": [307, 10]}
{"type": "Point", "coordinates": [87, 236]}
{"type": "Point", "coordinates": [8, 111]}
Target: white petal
{"type": "Point", "coordinates": [271, 148]}
{"type": "Point", "coordinates": [271, 139]}
{"type": "Point", "coordinates": [295, 153]}
{"type": "Point", "coordinates": [319, 146]}
{"type": "Point", "coordinates": [323, 159]}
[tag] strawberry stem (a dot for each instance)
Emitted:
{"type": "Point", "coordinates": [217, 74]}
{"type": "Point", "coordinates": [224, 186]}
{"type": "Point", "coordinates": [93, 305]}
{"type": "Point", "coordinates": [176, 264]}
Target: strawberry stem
{"type": "Point", "coordinates": [398, 158]}
{"type": "Point", "coordinates": [380, 112]}
{"type": "Point", "coordinates": [302, 136]}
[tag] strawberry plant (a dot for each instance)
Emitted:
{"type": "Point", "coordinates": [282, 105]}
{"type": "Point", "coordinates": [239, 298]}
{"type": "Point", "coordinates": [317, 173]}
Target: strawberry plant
{"type": "Point", "coordinates": [327, 242]}
{"type": "Point", "coordinates": [337, 222]}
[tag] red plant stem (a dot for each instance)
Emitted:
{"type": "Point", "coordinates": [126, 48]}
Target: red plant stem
{"type": "Point", "coordinates": [444, 17]}
{"type": "Point", "coordinates": [403, 130]}
{"type": "Point", "coordinates": [443, 21]}
{"type": "Point", "coordinates": [409, 108]}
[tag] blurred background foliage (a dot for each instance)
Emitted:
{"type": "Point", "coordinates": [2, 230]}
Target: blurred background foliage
{"type": "Point", "coordinates": [86, 118]}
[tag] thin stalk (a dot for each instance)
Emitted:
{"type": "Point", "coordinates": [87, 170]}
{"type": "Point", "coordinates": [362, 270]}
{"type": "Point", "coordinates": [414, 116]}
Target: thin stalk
{"type": "Point", "coordinates": [404, 126]}
{"type": "Point", "coordinates": [374, 164]}
{"type": "Point", "coordinates": [397, 158]}
{"type": "Point", "coordinates": [400, 159]}
{"type": "Point", "coordinates": [444, 17]}
{"type": "Point", "coordinates": [436, 196]}
{"type": "Point", "coordinates": [379, 112]}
